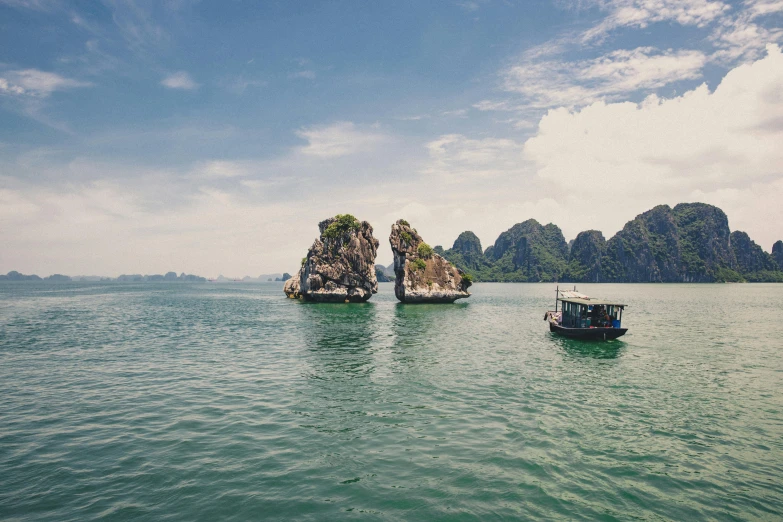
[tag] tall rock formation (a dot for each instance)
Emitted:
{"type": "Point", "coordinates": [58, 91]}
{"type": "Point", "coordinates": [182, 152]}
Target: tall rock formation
{"type": "Point", "coordinates": [704, 242]}
{"type": "Point", "coordinates": [466, 253]}
{"type": "Point", "coordinates": [689, 243]}
{"type": "Point", "coordinates": [585, 257]}
{"type": "Point", "coordinates": [531, 251]}
{"type": "Point", "coordinates": [777, 253]}
{"type": "Point", "coordinates": [750, 256]}
{"type": "Point", "coordinates": [340, 266]}
{"type": "Point", "coordinates": [422, 276]}
{"type": "Point", "coordinates": [646, 249]}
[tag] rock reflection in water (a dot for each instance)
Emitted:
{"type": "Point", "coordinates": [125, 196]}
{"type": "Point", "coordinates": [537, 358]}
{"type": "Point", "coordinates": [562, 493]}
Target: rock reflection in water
{"type": "Point", "coordinates": [417, 331]}
{"type": "Point", "coordinates": [339, 339]}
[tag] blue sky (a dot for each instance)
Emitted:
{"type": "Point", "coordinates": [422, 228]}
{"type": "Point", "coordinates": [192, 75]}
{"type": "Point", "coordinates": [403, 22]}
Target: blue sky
{"type": "Point", "coordinates": [211, 137]}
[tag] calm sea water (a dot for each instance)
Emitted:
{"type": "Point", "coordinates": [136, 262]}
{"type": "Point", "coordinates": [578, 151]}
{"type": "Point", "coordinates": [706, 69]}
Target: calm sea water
{"type": "Point", "coordinates": [231, 402]}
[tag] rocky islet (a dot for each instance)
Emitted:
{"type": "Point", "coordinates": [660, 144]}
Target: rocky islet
{"type": "Point", "coordinates": [340, 266]}
{"type": "Point", "coordinates": [422, 275]}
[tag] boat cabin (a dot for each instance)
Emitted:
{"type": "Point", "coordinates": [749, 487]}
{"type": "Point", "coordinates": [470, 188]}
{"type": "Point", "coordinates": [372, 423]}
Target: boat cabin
{"type": "Point", "coordinates": [581, 317]}
{"type": "Point", "coordinates": [583, 312]}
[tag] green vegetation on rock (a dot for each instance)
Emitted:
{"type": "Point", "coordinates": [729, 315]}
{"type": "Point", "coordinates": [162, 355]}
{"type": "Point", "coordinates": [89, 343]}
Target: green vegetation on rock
{"type": "Point", "coordinates": [688, 243]}
{"type": "Point", "coordinates": [424, 250]}
{"type": "Point", "coordinates": [342, 224]}
{"type": "Point", "coordinates": [419, 264]}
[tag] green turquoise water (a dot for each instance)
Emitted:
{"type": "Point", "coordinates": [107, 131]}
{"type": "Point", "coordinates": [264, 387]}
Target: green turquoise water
{"type": "Point", "coordinates": [230, 402]}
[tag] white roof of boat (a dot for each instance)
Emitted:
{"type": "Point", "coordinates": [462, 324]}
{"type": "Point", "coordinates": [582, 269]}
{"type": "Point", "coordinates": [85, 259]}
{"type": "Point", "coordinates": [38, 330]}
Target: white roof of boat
{"type": "Point", "coordinates": [589, 301]}
{"type": "Point", "coordinates": [572, 294]}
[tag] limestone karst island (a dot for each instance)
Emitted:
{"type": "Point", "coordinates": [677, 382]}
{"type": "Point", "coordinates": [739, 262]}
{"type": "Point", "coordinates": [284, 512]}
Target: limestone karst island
{"type": "Point", "coordinates": [690, 242]}
{"type": "Point", "coordinates": [340, 266]}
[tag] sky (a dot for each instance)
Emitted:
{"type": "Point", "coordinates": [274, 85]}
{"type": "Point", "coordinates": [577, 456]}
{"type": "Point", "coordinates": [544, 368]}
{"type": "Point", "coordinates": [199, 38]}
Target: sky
{"type": "Point", "coordinates": [212, 137]}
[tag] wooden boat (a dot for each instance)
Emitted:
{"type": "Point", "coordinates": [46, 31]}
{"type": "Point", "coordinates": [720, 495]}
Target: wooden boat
{"type": "Point", "coordinates": [582, 317]}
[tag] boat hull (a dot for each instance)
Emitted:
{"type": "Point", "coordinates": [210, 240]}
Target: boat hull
{"type": "Point", "coordinates": [592, 334]}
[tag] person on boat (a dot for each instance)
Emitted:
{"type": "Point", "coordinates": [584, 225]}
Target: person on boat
{"type": "Point", "coordinates": [597, 316]}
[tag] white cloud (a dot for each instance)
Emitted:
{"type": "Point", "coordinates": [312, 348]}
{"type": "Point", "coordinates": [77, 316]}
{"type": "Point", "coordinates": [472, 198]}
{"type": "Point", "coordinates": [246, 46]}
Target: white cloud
{"type": "Point", "coordinates": [459, 113]}
{"type": "Point", "coordinates": [497, 105]}
{"type": "Point", "coordinates": [460, 159]}
{"type": "Point", "coordinates": [239, 85]}
{"type": "Point", "coordinates": [36, 83]}
{"type": "Point", "coordinates": [701, 144]}
{"type": "Point", "coordinates": [307, 75]}
{"type": "Point", "coordinates": [220, 169]}
{"type": "Point", "coordinates": [136, 24]}
{"type": "Point", "coordinates": [764, 7]}
{"type": "Point", "coordinates": [179, 80]}
{"type": "Point", "coordinates": [740, 37]}
{"type": "Point", "coordinates": [641, 13]}
{"type": "Point", "coordinates": [551, 83]}
{"type": "Point", "coordinates": [36, 5]}
{"type": "Point", "coordinates": [339, 139]}
{"type": "Point", "coordinates": [469, 6]}
{"type": "Point", "coordinates": [414, 117]}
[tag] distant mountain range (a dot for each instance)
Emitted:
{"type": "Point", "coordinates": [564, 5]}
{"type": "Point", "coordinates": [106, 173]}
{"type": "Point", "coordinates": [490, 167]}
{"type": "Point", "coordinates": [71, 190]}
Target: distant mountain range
{"type": "Point", "coordinates": [247, 279]}
{"type": "Point", "coordinates": [384, 274]}
{"type": "Point", "coordinates": [688, 243]}
{"type": "Point", "coordinates": [138, 278]}
{"type": "Point", "coordinates": [133, 278]}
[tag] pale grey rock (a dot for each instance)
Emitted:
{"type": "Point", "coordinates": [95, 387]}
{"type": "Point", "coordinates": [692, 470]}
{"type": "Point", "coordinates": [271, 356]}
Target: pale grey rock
{"type": "Point", "coordinates": [340, 266]}
{"type": "Point", "coordinates": [422, 276]}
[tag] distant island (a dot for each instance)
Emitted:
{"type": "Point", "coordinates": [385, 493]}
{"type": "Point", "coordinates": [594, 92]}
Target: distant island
{"type": "Point", "coordinates": [134, 278]}
{"type": "Point", "coordinates": [139, 278]}
{"type": "Point", "coordinates": [688, 243]}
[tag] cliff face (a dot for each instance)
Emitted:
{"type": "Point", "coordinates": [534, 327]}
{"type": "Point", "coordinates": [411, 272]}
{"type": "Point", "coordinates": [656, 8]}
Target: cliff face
{"type": "Point", "coordinates": [688, 243]}
{"type": "Point", "coordinates": [466, 253]}
{"type": "Point", "coordinates": [629, 257]}
{"type": "Point", "coordinates": [647, 249]}
{"type": "Point", "coordinates": [585, 257]}
{"type": "Point", "coordinates": [531, 251]}
{"type": "Point", "coordinates": [750, 257]}
{"type": "Point", "coordinates": [340, 266]}
{"type": "Point", "coordinates": [704, 242]}
{"type": "Point", "coordinates": [421, 275]}
{"type": "Point", "coordinates": [777, 253]}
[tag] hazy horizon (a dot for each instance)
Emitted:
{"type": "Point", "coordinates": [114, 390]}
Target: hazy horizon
{"type": "Point", "coordinates": [140, 137]}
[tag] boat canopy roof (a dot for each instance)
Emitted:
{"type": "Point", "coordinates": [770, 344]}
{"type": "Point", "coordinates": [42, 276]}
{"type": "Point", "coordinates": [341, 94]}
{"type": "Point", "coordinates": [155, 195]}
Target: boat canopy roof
{"type": "Point", "coordinates": [586, 301]}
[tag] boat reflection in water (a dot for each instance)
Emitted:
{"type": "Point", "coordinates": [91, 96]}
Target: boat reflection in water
{"type": "Point", "coordinates": [582, 317]}
{"type": "Point", "coordinates": [586, 349]}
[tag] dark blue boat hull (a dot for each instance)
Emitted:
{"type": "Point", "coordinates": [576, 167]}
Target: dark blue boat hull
{"type": "Point", "coordinates": [591, 334]}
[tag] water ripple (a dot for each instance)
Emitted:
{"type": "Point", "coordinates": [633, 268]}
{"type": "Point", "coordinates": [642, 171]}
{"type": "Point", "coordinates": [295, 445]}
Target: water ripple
{"type": "Point", "coordinates": [204, 402]}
